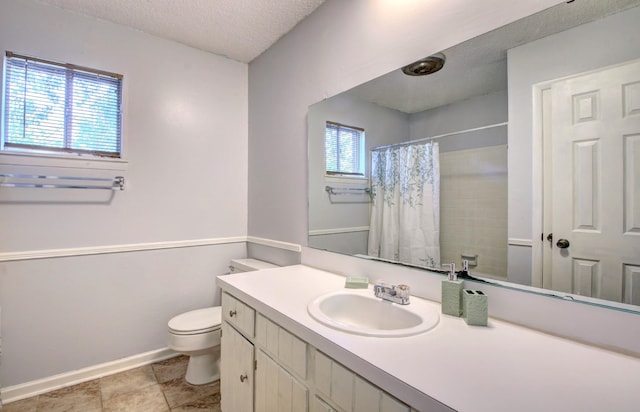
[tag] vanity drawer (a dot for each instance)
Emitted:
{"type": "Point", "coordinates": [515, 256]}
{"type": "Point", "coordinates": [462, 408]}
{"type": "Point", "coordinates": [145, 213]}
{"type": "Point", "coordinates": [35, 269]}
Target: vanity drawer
{"type": "Point", "coordinates": [282, 345]}
{"type": "Point", "coordinates": [241, 316]}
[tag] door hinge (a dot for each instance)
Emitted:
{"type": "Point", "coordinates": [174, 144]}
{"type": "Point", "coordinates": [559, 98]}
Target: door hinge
{"type": "Point", "coordinates": [255, 364]}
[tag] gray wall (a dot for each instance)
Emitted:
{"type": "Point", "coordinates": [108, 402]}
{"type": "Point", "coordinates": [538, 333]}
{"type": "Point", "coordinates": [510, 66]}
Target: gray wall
{"type": "Point", "coordinates": [474, 112]}
{"type": "Point", "coordinates": [341, 45]}
{"type": "Point", "coordinates": [185, 139]}
{"type": "Point", "coordinates": [382, 126]}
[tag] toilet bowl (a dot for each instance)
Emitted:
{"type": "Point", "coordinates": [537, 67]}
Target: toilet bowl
{"type": "Point", "coordinates": [197, 333]}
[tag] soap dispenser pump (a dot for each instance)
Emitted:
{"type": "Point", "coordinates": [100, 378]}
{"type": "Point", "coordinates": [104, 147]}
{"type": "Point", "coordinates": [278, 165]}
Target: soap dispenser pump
{"type": "Point", "coordinates": [452, 293]}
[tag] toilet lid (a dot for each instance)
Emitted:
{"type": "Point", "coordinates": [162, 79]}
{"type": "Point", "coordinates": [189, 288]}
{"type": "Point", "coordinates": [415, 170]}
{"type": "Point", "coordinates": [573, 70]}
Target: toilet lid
{"type": "Point", "coordinates": [197, 321]}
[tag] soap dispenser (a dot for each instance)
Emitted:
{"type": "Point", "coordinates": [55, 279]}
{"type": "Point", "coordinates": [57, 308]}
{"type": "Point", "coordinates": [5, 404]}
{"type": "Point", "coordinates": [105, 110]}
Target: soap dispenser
{"type": "Point", "coordinates": [452, 293]}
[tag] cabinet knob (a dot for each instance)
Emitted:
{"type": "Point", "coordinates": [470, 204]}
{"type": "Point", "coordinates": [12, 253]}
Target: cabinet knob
{"type": "Point", "coordinates": [243, 378]}
{"type": "Point", "coordinates": [232, 313]}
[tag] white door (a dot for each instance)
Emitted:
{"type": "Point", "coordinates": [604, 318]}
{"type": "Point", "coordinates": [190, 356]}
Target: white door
{"type": "Point", "coordinates": [595, 134]}
{"type": "Point", "coordinates": [236, 371]}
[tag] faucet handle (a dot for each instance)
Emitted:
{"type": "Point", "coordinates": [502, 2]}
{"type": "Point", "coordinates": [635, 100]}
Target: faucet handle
{"type": "Point", "coordinates": [402, 291]}
{"type": "Point", "coordinates": [397, 294]}
{"type": "Point", "coordinates": [452, 271]}
{"type": "Point", "coordinates": [379, 287]}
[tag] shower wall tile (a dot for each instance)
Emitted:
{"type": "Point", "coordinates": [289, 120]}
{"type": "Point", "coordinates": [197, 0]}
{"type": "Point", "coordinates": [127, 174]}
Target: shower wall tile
{"type": "Point", "coordinates": [473, 207]}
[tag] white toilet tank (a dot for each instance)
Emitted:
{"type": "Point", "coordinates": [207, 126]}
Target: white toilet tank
{"type": "Point", "coordinates": [248, 265]}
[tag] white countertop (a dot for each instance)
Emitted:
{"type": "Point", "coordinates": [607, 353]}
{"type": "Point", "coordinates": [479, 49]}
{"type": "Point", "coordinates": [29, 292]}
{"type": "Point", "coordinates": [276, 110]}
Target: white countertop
{"type": "Point", "coordinates": [501, 367]}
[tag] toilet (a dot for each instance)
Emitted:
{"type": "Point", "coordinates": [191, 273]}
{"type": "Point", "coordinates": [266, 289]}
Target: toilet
{"type": "Point", "coordinates": [197, 333]}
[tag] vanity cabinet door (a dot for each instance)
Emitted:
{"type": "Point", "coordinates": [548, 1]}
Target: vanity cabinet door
{"type": "Point", "coordinates": [236, 371]}
{"type": "Point", "coordinates": [276, 389]}
{"type": "Point", "coordinates": [281, 345]}
{"type": "Point", "coordinates": [318, 405]}
{"type": "Point", "coordinates": [366, 397]}
{"type": "Point", "coordinates": [348, 391]}
{"type": "Point", "coordinates": [238, 314]}
{"type": "Point", "coordinates": [334, 380]}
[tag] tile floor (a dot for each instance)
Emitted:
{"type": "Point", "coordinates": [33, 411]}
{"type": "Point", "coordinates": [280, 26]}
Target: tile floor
{"type": "Point", "coordinates": [159, 387]}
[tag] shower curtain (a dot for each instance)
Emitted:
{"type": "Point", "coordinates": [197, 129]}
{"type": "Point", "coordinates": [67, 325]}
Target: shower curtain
{"type": "Point", "coordinates": [405, 208]}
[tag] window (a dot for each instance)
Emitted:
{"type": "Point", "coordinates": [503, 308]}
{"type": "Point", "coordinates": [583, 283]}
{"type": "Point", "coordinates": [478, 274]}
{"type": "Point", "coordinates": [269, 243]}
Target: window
{"type": "Point", "coordinates": [61, 108]}
{"type": "Point", "coordinates": [344, 150]}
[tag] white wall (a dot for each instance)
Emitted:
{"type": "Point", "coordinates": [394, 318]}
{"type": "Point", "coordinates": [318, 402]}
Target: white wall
{"type": "Point", "coordinates": [64, 314]}
{"type": "Point", "coordinates": [185, 133]}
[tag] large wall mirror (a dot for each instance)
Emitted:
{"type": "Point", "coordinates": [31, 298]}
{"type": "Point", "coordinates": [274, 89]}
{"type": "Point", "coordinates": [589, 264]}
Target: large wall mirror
{"type": "Point", "coordinates": [520, 156]}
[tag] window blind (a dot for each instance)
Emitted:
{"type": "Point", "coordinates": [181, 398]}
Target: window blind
{"type": "Point", "coordinates": [55, 107]}
{"type": "Point", "coordinates": [344, 149]}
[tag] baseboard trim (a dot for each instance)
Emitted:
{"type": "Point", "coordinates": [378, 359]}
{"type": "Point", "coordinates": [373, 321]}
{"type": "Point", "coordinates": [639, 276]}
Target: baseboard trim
{"type": "Point", "coordinates": [63, 380]}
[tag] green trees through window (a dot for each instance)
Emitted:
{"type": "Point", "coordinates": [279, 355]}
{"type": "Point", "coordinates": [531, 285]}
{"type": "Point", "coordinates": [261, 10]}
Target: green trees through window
{"type": "Point", "coordinates": [51, 107]}
{"type": "Point", "coordinates": [344, 150]}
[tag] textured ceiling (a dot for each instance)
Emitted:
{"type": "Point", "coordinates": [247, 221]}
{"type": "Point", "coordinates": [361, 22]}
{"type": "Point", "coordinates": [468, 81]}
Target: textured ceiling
{"type": "Point", "coordinates": [479, 66]}
{"type": "Point", "coordinates": [238, 29]}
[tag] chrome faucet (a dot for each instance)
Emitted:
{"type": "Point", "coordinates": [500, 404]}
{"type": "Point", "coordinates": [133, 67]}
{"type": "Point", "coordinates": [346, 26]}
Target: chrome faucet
{"type": "Point", "coordinates": [452, 272]}
{"type": "Point", "coordinates": [397, 294]}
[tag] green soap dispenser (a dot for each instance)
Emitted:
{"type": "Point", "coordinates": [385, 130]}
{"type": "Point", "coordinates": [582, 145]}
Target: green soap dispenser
{"type": "Point", "coordinates": [452, 293]}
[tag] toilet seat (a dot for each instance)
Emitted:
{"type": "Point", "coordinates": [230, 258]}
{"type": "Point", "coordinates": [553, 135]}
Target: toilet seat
{"type": "Point", "coordinates": [196, 321]}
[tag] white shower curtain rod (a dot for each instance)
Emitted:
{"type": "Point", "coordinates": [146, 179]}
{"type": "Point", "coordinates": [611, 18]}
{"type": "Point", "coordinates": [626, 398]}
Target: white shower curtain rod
{"type": "Point", "coordinates": [427, 139]}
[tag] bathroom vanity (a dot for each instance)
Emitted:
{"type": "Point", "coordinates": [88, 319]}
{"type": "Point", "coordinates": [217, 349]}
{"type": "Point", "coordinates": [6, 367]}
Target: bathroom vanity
{"type": "Point", "coordinates": [275, 356]}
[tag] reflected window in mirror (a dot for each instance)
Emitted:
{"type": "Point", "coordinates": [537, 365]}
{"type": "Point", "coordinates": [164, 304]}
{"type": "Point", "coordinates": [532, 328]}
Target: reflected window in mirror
{"type": "Point", "coordinates": [344, 150]}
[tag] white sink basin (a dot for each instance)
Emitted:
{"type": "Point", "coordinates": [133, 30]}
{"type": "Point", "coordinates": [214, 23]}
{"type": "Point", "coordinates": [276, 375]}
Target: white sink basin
{"type": "Point", "coordinates": [361, 313]}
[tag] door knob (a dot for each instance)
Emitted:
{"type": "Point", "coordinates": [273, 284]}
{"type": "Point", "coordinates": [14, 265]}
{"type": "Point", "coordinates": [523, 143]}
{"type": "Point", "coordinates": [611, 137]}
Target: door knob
{"type": "Point", "coordinates": [563, 243]}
